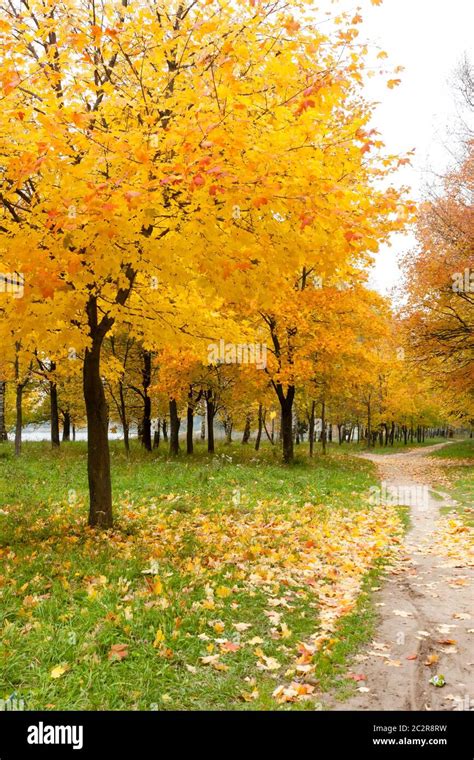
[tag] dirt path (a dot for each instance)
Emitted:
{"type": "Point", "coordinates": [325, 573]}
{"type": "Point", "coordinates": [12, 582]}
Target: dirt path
{"type": "Point", "coordinates": [425, 605]}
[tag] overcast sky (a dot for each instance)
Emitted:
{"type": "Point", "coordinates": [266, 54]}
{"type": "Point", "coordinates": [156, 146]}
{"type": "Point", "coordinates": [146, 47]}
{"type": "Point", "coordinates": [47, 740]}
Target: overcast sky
{"type": "Point", "coordinates": [428, 38]}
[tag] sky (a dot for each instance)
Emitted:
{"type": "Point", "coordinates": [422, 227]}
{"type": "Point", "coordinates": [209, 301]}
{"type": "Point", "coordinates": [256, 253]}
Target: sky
{"type": "Point", "coordinates": [429, 38]}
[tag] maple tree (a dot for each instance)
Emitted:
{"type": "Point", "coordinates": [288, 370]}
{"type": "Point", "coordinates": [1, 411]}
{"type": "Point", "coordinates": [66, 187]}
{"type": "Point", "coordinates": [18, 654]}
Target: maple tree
{"type": "Point", "coordinates": [440, 280]}
{"type": "Point", "coordinates": [183, 174]}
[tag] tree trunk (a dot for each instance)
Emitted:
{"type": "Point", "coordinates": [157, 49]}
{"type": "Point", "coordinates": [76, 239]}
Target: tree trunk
{"type": "Point", "coordinates": [259, 428]}
{"type": "Point", "coordinates": [156, 437]}
{"type": "Point", "coordinates": [146, 381]}
{"type": "Point", "coordinates": [323, 425]}
{"type": "Point", "coordinates": [175, 423]}
{"type": "Point", "coordinates": [246, 435]}
{"type": "Point", "coordinates": [3, 429]}
{"type": "Point", "coordinates": [66, 426]}
{"type": "Point", "coordinates": [228, 431]}
{"type": "Point", "coordinates": [98, 455]}
{"type": "Point", "coordinates": [190, 425]}
{"type": "Point", "coordinates": [164, 428]}
{"type": "Point", "coordinates": [286, 405]}
{"type": "Point", "coordinates": [210, 412]}
{"type": "Point", "coordinates": [53, 397]}
{"type": "Point", "coordinates": [124, 419]}
{"type": "Point", "coordinates": [311, 429]}
{"type": "Point", "coordinates": [369, 424]}
{"type": "Point", "coordinates": [19, 418]}
{"type": "Point", "coordinates": [73, 431]}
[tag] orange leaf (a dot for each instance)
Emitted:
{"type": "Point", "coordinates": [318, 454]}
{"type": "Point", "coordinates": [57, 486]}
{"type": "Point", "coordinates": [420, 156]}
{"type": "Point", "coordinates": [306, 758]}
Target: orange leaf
{"type": "Point", "coordinates": [118, 652]}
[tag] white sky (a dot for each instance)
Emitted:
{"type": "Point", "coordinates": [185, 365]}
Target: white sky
{"type": "Point", "coordinates": [428, 38]}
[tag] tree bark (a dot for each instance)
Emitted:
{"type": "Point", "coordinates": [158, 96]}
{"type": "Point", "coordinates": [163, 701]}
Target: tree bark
{"type": "Point", "coordinates": [246, 435]}
{"type": "Point", "coordinates": [286, 405]}
{"type": "Point", "coordinates": [3, 429]}
{"type": "Point", "coordinates": [259, 428]}
{"type": "Point", "coordinates": [175, 423]}
{"type": "Point", "coordinates": [369, 424]}
{"type": "Point", "coordinates": [210, 413]}
{"type": "Point", "coordinates": [19, 418]}
{"type": "Point", "coordinates": [66, 426]}
{"type": "Point", "coordinates": [156, 437]}
{"type": "Point", "coordinates": [146, 420]}
{"type": "Point", "coordinates": [53, 397]}
{"type": "Point", "coordinates": [323, 425]}
{"type": "Point", "coordinates": [311, 429]}
{"type": "Point", "coordinates": [98, 455]}
{"type": "Point", "coordinates": [190, 424]}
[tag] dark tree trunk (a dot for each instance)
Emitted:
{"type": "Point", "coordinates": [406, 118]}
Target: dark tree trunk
{"type": "Point", "coordinates": [98, 455]}
{"type": "Point", "coordinates": [175, 423]}
{"type": "Point", "coordinates": [146, 381]}
{"type": "Point", "coordinates": [3, 429]}
{"type": "Point", "coordinates": [286, 405]}
{"type": "Point", "coordinates": [228, 425]}
{"type": "Point", "coordinates": [246, 435]}
{"type": "Point", "coordinates": [210, 413]}
{"type": "Point", "coordinates": [311, 429]}
{"type": "Point", "coordinates": [190, 425]}
{"type": "Point", "coordinates": [66, 426]}
{"type": "Point", "coordinates": [164, 428]}
{"type": "Point", "coordinates": [369, 424]}
{"type": "Point", "coordinates": [323, 426]}
{"type": "Point", "coordinates": [259, 428]}
{"type": "Point", "coordinates": [19, 418]}
{"type": "Point", "coordinates": [73, 431]}
{"type": "Point", "coordinates": [156, 437]}
{"type": "Point", "coordinates": [53, 397]}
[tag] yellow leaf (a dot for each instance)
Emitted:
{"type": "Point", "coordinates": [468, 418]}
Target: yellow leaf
{"type": "Point", "coordinates": [59, 671]}
{"type": "Point", "coordinates": [159, 638]}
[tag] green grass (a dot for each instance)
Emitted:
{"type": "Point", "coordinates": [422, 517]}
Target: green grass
{"type": "Point", "coordinates": [461, 477]}
{"type": "Point", "coordinates": [56, 609]}
{"type": "Point", "coordinates": [457, 450]}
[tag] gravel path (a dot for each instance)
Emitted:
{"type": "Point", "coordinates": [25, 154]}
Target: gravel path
{"type": "Point", "coordinates": [425, 604]}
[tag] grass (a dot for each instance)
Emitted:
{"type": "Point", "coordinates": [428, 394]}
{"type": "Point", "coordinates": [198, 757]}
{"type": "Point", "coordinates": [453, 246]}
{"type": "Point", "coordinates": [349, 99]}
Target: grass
{"type": "Point", "coordinates": [69, 594]}
{"type": "Point", "coordinates": [398, 446]}
{"type": "Point", "coordinates": [459, 470]}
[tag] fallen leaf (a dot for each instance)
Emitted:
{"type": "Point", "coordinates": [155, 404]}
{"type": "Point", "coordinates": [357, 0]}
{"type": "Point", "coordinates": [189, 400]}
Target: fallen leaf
{"type": "Point", "coordinates": [118, 652]}
{"type": "Point", "coordinates": [59, 671]}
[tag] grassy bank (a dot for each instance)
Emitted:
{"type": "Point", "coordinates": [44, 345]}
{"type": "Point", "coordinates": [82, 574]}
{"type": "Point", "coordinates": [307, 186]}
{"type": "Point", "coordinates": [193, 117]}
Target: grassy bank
{"type": "Point", "coordinates": [225, 583]}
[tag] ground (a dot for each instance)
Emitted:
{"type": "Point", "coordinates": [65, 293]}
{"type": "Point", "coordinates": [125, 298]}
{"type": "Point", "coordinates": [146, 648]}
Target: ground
{"type": "Point", "coordinates": [227, 583]}
{"type": "Point", "coordinates": [425, 604]}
